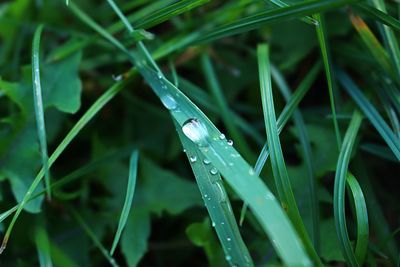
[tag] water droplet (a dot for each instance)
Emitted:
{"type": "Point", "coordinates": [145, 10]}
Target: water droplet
{"type": "Point", "coordinates": [230, 143]}
{"type": "Point", "coordinates": [228, 239]}
{"type": "Point", "coordinates": [222, 223]}
{"type": "Point", "coordinates": [184, 151]}
{"type": "Point", "coordinates": [196, 132]}
{"type": "Point", "coordinates": [230, 164]}
{"type": "Point", "coordinates": [169, 102]}
{"type": "Point", "coordinates": [251, 171]}
{"type": "Point", "coordinates": [205, 195]}
{"type": "Point", "coordinates": [117, 78]}
{"type": "Point", "coordinates": [193, 159]}
{"type": "Point", "coordinates": [159, 75]}
{"type": "Point", "coordinates": [213, 171]}
{"type": "Point", "coordinates": [222, 136]}
{"type": "Point", "coordinates": [213, 224]}
{"type": "Point", "coordinates": [206, 161]}
{"type": "Point", "coordinates": [228, 258]}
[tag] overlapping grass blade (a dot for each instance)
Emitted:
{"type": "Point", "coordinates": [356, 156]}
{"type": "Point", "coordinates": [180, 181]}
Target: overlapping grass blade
{"type": "Point", "coordinates": [329, 72]}
{"type": "Point", "coordinates": [279, 170]}
{"type": "Point", "coordinates": [379, 16]}
{"type": "Point", "coordinates": [82, 122]}
{"type": "Point", "coordinates": [308, 159]}
{"type": "Point", "coordinates": [130, 190]}
{"type": "Point", "coordinates": [85, 227]}
{"type": "Point", "coordinates": [217, 203]}
{"type": "Point", "coordinates": [371, 113]}
{"type": "Point", "coordinates": [272, 16]}
{"type": "Point", "coordinates": [43, 246]}
{"type": "Point", "coordinates": [281, 3]}
{"type": "Point", "coordinates": [342, 176]}
{"type": "Point", "coordinates": [380, 151]}
{"type": "Point", "coordinates": [38, 104]}
{"type": "Point", "coordinates": [223, 107]}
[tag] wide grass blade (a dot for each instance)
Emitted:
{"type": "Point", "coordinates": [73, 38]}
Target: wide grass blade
{"type": "Point", "coordinates": [342, 176]}
{"type": "Point", "coordinates": [260, 19]}
{"type": "Point", "coordinates": [329, 72]}
{"type": "Point", "coordinates": [38, 104]}
{"type": "Point", "coordinates": [217, 203]}
{"type": "Point", "coordinates": [130, 190]}
{"type": "Point", "coordinates": [371, 113]}
{"type": "Point", "coordinates": [308, 158]}
{"type": "Point", "coordinates": [279, 170]}
{"type": "Point", "coordinates": [43, 246]}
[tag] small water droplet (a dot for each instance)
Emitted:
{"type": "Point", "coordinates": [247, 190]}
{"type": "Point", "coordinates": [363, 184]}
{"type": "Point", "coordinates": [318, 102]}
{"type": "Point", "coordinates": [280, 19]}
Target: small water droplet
{"type": "Point", "coordinates": [228, 239]}
{"type": "Point", "coordinates": [159, 75]}
{"type": "Point", "coordinates": [230, 143]}
{"type": "Point", "coordinates": [206, 161]}
{"type": "Point", "coordinates": [184, 151]}
{"type": "Point", "coordinates": [251, 171]}
{"type": "Point", "coordinates": [213, 171]}
{"type": "Point", "coordinates": [117, 78]}
{"type": "Point", "coordinates": [193, 159]}
{"type": "Point", "coordinates": [169, 102]}
{"type": "Point", "coordinates": [222, 136]}
{"type": "Point", "coordinates": [222, 223]}
{"type": "Point", "coordinates": [230, 164]}
{"type": "Point", "coordinates": [213, 224]}
{"type": "Point", "coordinates": [228, 258]}
{"type": "Point", "coordinates": [196, 132]}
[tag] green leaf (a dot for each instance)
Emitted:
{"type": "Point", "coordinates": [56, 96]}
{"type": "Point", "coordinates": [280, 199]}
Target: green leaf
{"type": "Point", "coordinates": [43, 247]}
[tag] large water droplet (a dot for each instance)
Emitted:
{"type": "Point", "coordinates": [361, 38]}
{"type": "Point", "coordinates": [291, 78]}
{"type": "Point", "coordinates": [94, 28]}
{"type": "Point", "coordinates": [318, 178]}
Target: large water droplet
{"type": "Point", "coordinates": [213, 171]}
{"type": "Point", "coordinates": [193, 159]}
{"type": "Point", "coordinates": [206, 161]}
{"type": "Point", "coordinates": [169, 102]}
{"type": "Point", "coordinates": [196, 132]}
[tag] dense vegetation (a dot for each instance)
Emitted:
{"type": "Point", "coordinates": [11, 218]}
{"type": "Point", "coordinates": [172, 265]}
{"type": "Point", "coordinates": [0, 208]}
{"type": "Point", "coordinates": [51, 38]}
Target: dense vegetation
{"type": "Point", "coordinates": [199, 133]}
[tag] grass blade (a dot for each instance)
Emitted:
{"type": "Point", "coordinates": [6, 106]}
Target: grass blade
{"type": "Point", "coordinates": [282, 181]}
{"type": "Point", "coordinates": [43, 247]}
{"type": "Point", "coordinates": [130, 190]}
{"type": "Point", "coordinates": [280, 3]}
{"type": "Point", "coordinates": [308, 159]}
{"type": "Point", "coordinates": [38, 104]}
{"type": "Point", "coordinates": [217, 203]}
{"type": "Point", "coordinates": [330, 77]}
{"type": "Point", "coordinates": [371, 113]}
{"type": "Point", "coordinates": [379, 16]}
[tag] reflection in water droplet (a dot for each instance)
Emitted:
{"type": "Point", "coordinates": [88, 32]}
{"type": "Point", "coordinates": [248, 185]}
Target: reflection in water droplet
{"type": "Point", "coordinates": [159, 75]}
{"type": "Point", "coordinates": [193, 159]}
{"type": "Point", "coordinates": [228, 239]}
{"type": "Point", "coordinates": [169, 102]}
{"type": "Point", "coordinates": [251, 171]}
{"type": "Point", "coordinates": [213, 171]}
{"type": "Point", "coordinates": [206, 161]}
{"type": "Point", "coordinates": [213, 224]}
{"type": "Point", "coordinates": [228, 258]}
{"type": "Point", "coordinates": [230, 143]}
{"type": "Point", "coordinates": [222, 136]}
{"type": "Point", "coordinates": [196, 132]}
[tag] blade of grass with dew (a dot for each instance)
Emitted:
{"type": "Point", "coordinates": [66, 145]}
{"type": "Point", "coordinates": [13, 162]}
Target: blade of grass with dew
{"type": "Point", "coordinates": [341, 177]}
{"type": "Point", "coordinates": [272, 16]}
{"type": "Point", "coordinates": [82, 122]}
{"type": "Point", "coordinates": [389, 38]}
{"type": "Point", "coordinates": [217, 203]}
{"type": "Point", "coordinates": [38, 104]}
{"type": "Point", "coordinates": [282, 120]}
{"type": "Point", "coordinates": [379, 16]}
{"type": "Point", "coordinates": [329, 73]}
{"type": "Point", "coordinates": [308, 159]}
{"type": "Point", "coordinates": [223, 107]}
{"type": "Point", "coordinates": [371, 113]}
{"type": "Point", "coordinates": [372, 43]}
{"type": "Point", "coordinates": [281, 177]}
{"type": "Point", "coordinates": [130, 190]}
{"type": "Point", "coordinates": [43, 246]}
{"type": "Point", "coordinates": [240, 176]}
{"type": "Point", "coordinates": [89, 232]}
{"type": "Point", "coordinates": [280, 3]}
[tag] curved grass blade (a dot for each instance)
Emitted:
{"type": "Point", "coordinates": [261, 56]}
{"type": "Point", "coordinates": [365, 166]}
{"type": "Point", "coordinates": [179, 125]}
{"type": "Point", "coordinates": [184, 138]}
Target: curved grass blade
{"type": "Point", "coordinates": [43, 247]}
{"type": "Point", "coordinates": [307, 19]}
{"type": "Point", "coordinates": [92, 236]}
{"type": "Point", "coordinates": [379, 16]}
{"type": "Point", "coordinates": [82, 122]}
{"type": "Point", "coordinates": [282, 181]}
{"type": "Point", "coordinates": [130, 190]}
{"type": "Point", "coordinates": [38, 104]}
{"type": "Point", "coordinates": [330, 77]}
{"type": "Point", "coordinates": [217, 203]}
{"type": "Point", "coordinates": [272, 16]}
{"type": "Point", "coordinates": [223, 107]}
{"type": "Point", "coordinates": [371, 113]}
{"type": "Point", "coordinates": [339, 198]}
{"type": "Point", "coordinates": [308, 159]}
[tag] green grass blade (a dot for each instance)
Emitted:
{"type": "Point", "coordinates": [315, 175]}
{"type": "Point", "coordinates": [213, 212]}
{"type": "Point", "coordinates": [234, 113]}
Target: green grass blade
{"type": "Point", "coordinates": [86, 228]}
{"type": "Point", "coordinates": [82, 122]}
{"type": "Point", "coordinates": [217, 203]}
{"type": "Point", "coordinates": [339, 190]}
{"type": "Point", "coordinates": [280, 3]}
{"type": "Point", "coordinates": [371, 113]}
{"type": "Point", "coordinates": [330, 77]}
{"type": "Point", "coordinates": [43, 247]}
{"type": "Point", "coordinates": [223, 107]}
{"type": "Point", "coordinates": [130, 190]}
{"type": "Point", "coordinates": [379, 16]}
{"type": "Point", "coordinates": [308, 158]}
{"type": "Point", "coordinates": [38, 104]}
{"type": "Point", "coordinates": [272, 16]}
{"type": "Point", "coordinates": [379, 151]}
{"type": "Point", "coordinates": [282, 181]}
